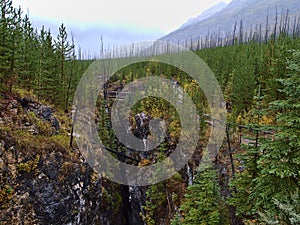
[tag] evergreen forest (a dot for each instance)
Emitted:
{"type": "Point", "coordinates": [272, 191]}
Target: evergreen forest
{"type": "Point", "coordinates": [254, 178]}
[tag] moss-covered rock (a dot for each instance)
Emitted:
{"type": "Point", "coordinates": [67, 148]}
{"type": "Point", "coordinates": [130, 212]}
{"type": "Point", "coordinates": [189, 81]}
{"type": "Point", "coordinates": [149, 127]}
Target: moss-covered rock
{"type": "Point", "coordinates": [42, 179]}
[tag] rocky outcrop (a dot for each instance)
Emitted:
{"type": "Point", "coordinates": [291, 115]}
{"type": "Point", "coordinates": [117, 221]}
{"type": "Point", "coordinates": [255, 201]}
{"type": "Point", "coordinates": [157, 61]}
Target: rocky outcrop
{"type": "Point", "coordinates": [42, 180]}
{"type": "Point", "coordinates": [43, 111]}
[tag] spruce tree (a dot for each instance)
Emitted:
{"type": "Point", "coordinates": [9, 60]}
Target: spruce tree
{"type": "Point", "coordinates": [269, 185]}
{"type": "Point", "coordinates": [64, 53]}
{"type": "Point", "coordinates": [280, 164]}
{"type": "Point", "coordinates": [6, 42]}
{"type": "Point", "coordinates": [28, 55]}
{"type": "Point", "coordinates": [290, 210]}
{"type": "Point", "coordinates": [16, 40]}
{"type": "Point", "coordinates": [156, 200]}
{"type": "Point", "coordinates": [244, 79]}
{"type": "Point", "coordinates": [71, 79]}
{"type": "Point", "coordinates": [201, 205]}
{"type": "Point", "coordinates": [242, 184]}
{"type": "Point", "coordinates": [46, 70]}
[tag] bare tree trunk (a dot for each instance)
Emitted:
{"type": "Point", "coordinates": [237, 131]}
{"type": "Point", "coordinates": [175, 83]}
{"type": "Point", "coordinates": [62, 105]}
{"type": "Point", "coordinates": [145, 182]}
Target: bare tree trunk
{"type": "Point", "coordinates": [230, 150]}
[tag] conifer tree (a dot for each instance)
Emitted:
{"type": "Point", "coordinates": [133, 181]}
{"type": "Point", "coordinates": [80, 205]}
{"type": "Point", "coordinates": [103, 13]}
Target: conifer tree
{"type": "Point", "coordinates": [266, 189]}
{"type": "Point", "coordinates": [244, 79]}
{"type": "Point", "coordinates": [28, 55]}
{"type": "Point", "coordinates": [290, 209]}
{"type": "Point", "coordinates": [156, 199]}
{"type": "Point", "coordinates": [6, 43]}
{"type": "Point", "coordinates": [280, 164]}
{"type": "Point", "coordinates": [16, 40]}
{"type": "Point", "coordinates": [71, 80]}
{"type": "Point", "coordinates": [242, 184]}
{"type": "Point", "coordinates": [64, 53]}
{"type": "Point", "coordinates": [201, 205]}
{"type": "Point", "coordinates": [46, 70]}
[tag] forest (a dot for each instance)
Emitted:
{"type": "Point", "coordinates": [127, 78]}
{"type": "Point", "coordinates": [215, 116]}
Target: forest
{"type": "Point", "coordinates": [255, 177]}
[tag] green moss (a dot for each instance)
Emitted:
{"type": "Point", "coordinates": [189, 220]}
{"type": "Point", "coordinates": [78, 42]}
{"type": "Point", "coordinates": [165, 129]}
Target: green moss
{"type": "Point", "coordinates": [29, 166]}
{"type": "Point", "coordinates": [4, 128]}
{"type": "Point", "coordinates": [111, 202]}
{"type": "Point", "coordinates": [6, 193]}
{"type": "Point", "coordinates": [117, 202]}
{"type": "Point", "coordinates": [62, 140]}
{"type": "Point", "coordinates": [24, 92]}
{"type": "Point", "coordinates": [28, 142]}
{"type": "Point", "coordinates": [25, 167]}
{"type": "Point", "coordinates": [43, 127]}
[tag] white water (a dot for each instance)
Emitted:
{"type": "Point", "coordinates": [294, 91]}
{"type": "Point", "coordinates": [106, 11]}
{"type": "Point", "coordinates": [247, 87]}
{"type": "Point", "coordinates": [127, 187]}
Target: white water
{"type": "Point", "coordinates": [189, 172]}
{"type": "Point", "coordinates": [81, 207]}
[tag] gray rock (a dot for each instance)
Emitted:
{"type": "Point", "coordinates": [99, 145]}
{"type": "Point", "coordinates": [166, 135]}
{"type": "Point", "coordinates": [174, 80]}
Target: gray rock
{"type": "Point", "coordinates": [46, 113]}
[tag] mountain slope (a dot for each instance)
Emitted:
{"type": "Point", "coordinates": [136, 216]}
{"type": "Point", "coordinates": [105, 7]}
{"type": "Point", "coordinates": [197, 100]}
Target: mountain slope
{"type": "Point", "coordinates": [206, 14]}
{"type": "Point", "coordinates": [251, 12]}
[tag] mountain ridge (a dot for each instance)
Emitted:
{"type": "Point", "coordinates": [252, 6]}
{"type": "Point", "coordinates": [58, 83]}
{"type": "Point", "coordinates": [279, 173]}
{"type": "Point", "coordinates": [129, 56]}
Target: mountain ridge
{"type": "Point", "coordinates": [251, 12]}
{"type": "Point", "coordinates": [205, 14]}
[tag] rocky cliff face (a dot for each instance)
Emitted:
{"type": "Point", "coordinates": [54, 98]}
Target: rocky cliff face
{"type": "Point", "coordinates": [42, 180]}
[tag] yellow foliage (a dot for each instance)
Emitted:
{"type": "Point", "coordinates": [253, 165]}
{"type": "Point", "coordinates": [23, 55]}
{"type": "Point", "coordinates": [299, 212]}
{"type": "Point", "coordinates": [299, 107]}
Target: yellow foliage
{"type": "Point", "coordinates": [144, 162]}
{"type": "Point", "coordinates": [250, 222]}
{"type": "Point", "coordinates": [250, 117]}
{"type": "Point", "coordinates": [266, 120]}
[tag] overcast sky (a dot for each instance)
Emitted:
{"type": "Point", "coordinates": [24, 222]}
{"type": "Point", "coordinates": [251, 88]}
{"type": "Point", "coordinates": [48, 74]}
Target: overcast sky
{"type": "Point", "coordinates": [118, 21]}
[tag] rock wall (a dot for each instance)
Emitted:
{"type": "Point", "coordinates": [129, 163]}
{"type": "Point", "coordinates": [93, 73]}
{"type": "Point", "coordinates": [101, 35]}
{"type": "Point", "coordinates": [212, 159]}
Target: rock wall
{"type": "Point", "coordinates": [41, 180]}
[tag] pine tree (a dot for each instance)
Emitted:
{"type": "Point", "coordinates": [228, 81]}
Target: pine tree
{"type": "Point", "coordinates": [201, 205]}
{"type": "Point", "coordinates": [71, 80]}
{"type": "Point", "coordinates": [46, 70]}
{"type": "Point", "coordinates": [156, 200]}
{"type": "Point", "coordinates": [280, 164]}
{"type": "Point", "coordinates": [6, 43]}
{"type": "Point", "coordinates": [244, 79]}
{"type": "Point", "coordinates": [242, 184]}
{"type": "Point", "coordinates": [16, 40]}
{"type": "Point", "coordinates": [28, 55]}
{"type": "Point", "coordinates": [274, 66]}
{"type": "Point", "coordinates": [291, 210]}
{"type": "Point", "coordinates": [271, 176]}
{"type": "Point", "coordinates": [64, 53]}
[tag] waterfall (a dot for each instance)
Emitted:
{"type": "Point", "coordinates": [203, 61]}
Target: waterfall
{"type": "Point", "coordinates": [81, 203]}
{"type": "Point", "coordinates": [189, 172]}
{"type": "Point", "coordinates": [137, 198]}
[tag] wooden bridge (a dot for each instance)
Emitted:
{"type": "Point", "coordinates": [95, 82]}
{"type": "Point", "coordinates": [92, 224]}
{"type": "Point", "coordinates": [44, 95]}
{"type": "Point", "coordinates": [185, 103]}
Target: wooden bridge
{"type": "Point", "coordinates": [118, 95]}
